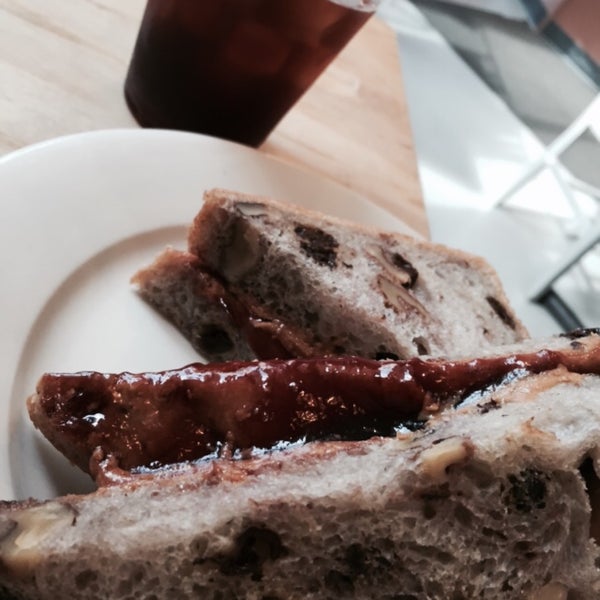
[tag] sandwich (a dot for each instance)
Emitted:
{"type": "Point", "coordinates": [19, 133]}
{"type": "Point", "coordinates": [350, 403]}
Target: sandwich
{"type": "Point", "coordinates": [489, 490]}
{"type": "Point", "coordinates": [400, 436]}
{"type": "Point", "coordinates": [261, 279]}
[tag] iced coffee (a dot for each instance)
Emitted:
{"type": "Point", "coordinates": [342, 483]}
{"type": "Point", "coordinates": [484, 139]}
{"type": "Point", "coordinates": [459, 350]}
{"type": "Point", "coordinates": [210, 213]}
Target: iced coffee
{"type": "Point", "coordinates": [233, 68]}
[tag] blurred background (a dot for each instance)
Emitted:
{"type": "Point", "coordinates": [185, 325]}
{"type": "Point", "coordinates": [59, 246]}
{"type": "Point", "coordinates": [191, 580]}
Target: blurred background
{"type": "Point", "coordinates": [504, 104]}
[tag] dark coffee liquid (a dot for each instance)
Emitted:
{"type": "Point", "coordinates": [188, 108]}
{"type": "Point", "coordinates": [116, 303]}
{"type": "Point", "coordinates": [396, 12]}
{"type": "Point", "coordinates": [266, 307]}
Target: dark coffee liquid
{"type": "Point", "coordinates": [232, 68]}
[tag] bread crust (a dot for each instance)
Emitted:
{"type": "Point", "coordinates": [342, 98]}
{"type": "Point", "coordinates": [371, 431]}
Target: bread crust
{"type": "Point", "coordinates": [198, 242]}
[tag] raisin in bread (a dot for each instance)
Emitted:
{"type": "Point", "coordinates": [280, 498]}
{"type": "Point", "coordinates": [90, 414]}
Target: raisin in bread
{"type": "Point", "coordinates": [311, 285]}
{"type": "Point", "coordinates": [496, 498]}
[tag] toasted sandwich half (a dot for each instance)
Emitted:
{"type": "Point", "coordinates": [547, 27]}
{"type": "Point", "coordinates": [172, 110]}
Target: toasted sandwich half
{"type": "Point", "coordinates": [494, 496]}
{"type": "Point", "coordinates": [265, 279]}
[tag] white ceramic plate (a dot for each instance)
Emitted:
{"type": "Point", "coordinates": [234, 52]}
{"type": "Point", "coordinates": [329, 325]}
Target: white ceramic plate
{"type": "Point", "coordinates": [80, 215]}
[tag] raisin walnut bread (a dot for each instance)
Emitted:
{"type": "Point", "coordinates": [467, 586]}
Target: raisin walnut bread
{"type": "Point", "coordinates": [496, 497]}
{"type": "Point", "coordinates": [264, 279]}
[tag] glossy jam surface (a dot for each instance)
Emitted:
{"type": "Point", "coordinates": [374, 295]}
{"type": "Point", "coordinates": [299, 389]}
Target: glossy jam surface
{"type": "Point", "coordinates": [233, 68]}
{"type": "Point", "coordinates": [153, 419]}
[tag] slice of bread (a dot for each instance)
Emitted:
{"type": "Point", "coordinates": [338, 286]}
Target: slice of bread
{"type": "Point", "coordinates": [496, 499]}
{"type": "Point", "coordinates": [197, 303]}
{"type": "Point", "coordinates": [312, 285]}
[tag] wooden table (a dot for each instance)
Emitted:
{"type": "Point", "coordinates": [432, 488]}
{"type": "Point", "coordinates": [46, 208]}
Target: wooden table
{"type": "Point", "coordinates": [63, 63]}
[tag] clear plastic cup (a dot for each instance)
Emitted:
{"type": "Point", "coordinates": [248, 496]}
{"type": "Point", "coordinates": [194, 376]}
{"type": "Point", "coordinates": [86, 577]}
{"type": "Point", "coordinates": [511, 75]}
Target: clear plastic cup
{"type": "Point", "coordinates": [233, 68]}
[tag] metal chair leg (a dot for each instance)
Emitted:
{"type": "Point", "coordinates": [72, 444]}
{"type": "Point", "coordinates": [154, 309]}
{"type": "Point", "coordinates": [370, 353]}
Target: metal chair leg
{"type": "Point", "coordinates": [561, 312]}
{"type": "Point", "coordinates": [581, 247]}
